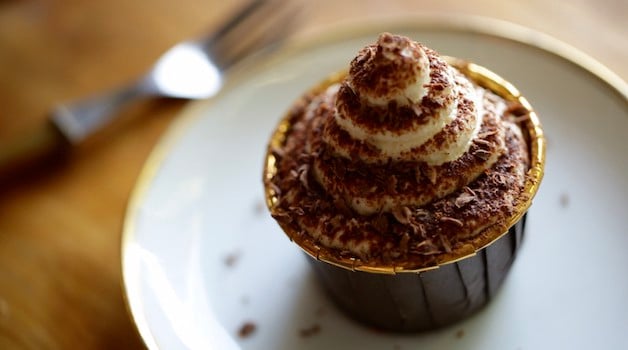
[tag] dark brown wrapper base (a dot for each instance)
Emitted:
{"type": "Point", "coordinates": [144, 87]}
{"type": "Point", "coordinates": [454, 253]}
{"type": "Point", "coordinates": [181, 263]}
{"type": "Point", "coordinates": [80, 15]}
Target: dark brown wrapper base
{"type": "Point", "coordinates": [414, 302]}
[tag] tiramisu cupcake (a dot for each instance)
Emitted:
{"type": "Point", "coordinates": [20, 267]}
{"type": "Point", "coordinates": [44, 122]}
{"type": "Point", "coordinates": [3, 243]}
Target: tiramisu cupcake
{"type": "Point", "coordinates": [407, 181]}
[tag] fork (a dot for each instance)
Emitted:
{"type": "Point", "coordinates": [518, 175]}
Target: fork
{"type": "Point", "coordinates": [193, 69]}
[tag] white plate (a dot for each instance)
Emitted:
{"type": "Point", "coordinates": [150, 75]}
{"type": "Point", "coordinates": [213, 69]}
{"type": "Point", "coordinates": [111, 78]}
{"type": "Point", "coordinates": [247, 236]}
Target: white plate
{"type": "Point", "coordinates": [202, 257]}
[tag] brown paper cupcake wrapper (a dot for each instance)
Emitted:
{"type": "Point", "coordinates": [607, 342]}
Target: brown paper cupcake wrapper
{"type": "Point", "coordinates": [410, 302]}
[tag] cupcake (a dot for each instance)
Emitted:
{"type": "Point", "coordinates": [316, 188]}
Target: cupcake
{"type": "Point", "coordinates": [406, 180]}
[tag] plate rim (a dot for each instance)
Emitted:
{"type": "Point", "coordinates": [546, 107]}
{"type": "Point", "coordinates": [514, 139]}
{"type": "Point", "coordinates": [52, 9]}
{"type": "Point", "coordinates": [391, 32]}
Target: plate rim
{"type": "Point", "coordinates": [327, 34]}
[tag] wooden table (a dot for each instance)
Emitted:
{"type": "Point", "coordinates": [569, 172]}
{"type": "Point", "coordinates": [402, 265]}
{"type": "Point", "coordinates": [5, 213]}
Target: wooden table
{"type": "Point", "coordinates": [60, 228]}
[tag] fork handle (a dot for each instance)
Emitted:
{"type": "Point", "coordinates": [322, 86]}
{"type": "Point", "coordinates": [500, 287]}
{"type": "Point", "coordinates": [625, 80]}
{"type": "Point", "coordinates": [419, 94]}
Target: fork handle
{"type": "Point", "coordinates": [79, 119]}
{"type": "Point", "coordinates": [68, 125]}
{"type": "Point", "coordinates": [35, 148]}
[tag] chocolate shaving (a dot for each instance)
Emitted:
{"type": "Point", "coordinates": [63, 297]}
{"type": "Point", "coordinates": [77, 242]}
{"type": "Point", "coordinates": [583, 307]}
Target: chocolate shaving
{"type": "Point", "coordinates": [342, 206]}
{"type": "Point", "coordinates": [463, 199]}
{"type": "Point", "coordinates": [564, 200]}
{"type": "Point", "coordinates": [516, 112]}
{"type": "Point", "coordinates": [445, 243]}
{"type": "Point", "coordinates": [303, 173]}
{"type": "Point", "coordinates": [431, 174]}
{"type": "Point", "coordinates": [482, 154]}
{"type": "Point", "coordinates": [519, 119]}
{"type": "Point", "coordinates": [247, 329]}
{"type": "Point", "coordinates": [454, 221]}
{"type": "Point", "coordinates": [498, 178]}
{"type": "Point", "coordinates": [418, 174]}
{"type": "Point", "coordinates": [403, 243]}
{"type": "Point", "coordinates": [486, 134]}
{"type": "Point", "coordinates": [418, 229]}
{"type": "Point", "coordinates": [277, 152]}
{"type": "Point", "coordinates": [516, 108]}
{"type": "Point", "coordinates": [468, 190]}
{"type": "Point", "coordinates": [402, 214]}
{"type": "Point", "coordinates": [310, 331]}
{"type": "Point", "coordinates": [422, 214]}
{"type": "Point", "coordinates": [297, 210]}
{"type": "Point", "coordinates": [232, 259]}
{"type": "Point", "coordinates": [391, 186]}
{"type": "Point", "coordinates": [337, 219]}
{"type": "Point", "coordinates": [460, 334]}
{"type": "Point", "coordinates": [276, 191]}
{"type": "Point", "coordinates": [483, 142]}
{"type": "Point", "coordinates": [426, 247]}
{"type": "Point", "coordinates": [380, 223]}
{"type": "Point", "coordinates": [278, 212]}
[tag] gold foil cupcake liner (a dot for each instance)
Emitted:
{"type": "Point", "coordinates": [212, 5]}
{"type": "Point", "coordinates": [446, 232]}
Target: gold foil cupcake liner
{"type": "Point", "coordinates": [536, 141]}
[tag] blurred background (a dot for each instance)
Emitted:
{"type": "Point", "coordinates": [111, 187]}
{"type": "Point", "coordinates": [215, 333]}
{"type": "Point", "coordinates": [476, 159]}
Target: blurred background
{"type": "Point", "coordinates": [60, 279]}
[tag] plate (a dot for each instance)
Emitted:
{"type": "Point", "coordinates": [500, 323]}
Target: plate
{"type": "Point", "coordinates": [205, 266]}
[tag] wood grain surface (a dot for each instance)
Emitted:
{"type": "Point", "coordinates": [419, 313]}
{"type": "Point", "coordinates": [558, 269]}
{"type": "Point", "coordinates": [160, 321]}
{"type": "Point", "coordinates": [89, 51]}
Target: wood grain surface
{"type": "Point", "coordinates": [60, 226]}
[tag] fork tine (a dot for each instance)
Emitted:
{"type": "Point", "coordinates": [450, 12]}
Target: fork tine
{"type": "Point", "coordinates": [260, 24]}
{"type": "Point", "coordinates": [234, 21]}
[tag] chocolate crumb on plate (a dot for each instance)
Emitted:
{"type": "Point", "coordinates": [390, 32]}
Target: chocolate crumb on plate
{"type": "Point", "coordinates": [564, 200]}
{"type": "Point", "coordinates": [232, 258]}
{"type": "Point", "coordinates": [310, 331]}
{"type": "Point", "coordinates": [247, 329]}
{"type": "Point", "coordinates": [259, 207]}
{"type": "Point", "coordinates": [460, 333]}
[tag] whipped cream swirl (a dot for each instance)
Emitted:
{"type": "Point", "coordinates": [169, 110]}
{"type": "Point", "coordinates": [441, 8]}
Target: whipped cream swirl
{"type": "Point", "coordinates": [403, 159]}
{"type": "Point", "coordinates": [406, 103]}
{"type": "Point", "coordinates": [402, 106]}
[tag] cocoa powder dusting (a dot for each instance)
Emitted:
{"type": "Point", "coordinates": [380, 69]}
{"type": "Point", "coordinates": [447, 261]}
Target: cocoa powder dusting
{"type": "Point", "coordinates": [368, 74]}
{"type": "Point", "coordinates": [313, 182]}
{"type": "Point", "coordinates": [310, 205]}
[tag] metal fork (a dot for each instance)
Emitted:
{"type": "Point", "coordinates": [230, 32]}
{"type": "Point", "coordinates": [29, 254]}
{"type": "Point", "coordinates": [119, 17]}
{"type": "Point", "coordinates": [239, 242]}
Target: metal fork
{"type": "Point", "coordinates": [189, 70]}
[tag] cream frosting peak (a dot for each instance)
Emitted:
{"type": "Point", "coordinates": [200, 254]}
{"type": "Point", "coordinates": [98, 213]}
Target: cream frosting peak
{"type": "Point", "coordinates": [401, 102]}
{"type": "Point", "coordinates": [407, 103]}
{"type": "Point", "coordinates": [395, 69]}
